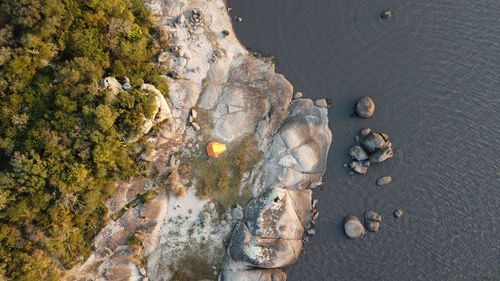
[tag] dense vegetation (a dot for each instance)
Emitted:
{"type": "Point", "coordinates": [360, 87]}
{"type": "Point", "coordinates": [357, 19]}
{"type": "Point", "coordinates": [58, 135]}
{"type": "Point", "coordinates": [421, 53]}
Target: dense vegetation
{"type": "Point", "coordinates": [61, 135]}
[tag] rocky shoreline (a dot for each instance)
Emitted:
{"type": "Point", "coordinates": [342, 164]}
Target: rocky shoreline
{"type": "Point", "coordinates": [219, 91]}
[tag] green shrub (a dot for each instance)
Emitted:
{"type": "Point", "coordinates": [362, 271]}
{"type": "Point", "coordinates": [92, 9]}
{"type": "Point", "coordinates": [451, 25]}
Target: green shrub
{"type": "Point", "coordinates": [61, 136]}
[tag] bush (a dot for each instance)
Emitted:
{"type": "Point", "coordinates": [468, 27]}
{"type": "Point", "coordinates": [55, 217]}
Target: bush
{"type": "Point", "coordinates": [61, 142]}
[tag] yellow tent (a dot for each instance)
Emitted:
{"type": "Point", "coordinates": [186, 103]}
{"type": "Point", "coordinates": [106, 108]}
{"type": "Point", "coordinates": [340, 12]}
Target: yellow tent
{"type": "Point", "coordinates": [214, 149]}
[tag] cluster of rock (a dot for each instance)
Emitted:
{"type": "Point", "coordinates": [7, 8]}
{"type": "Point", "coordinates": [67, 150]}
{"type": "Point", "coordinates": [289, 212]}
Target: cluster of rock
{"type": "Point", "coordinates": [354, 229]}
{"type": "Point", "coordinates": [373, 148]}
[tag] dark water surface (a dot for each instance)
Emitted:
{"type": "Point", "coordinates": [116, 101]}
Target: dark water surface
{"type": "Point", "coordinates": [434, 73]}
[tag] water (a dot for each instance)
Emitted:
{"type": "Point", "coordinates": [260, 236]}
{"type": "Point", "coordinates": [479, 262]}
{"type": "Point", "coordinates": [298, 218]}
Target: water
{"type": "Point", "coordinates": [434, 73]}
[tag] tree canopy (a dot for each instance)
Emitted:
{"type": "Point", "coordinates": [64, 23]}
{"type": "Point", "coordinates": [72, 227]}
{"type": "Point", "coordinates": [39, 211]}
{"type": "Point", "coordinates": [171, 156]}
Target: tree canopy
{"type": "Point", "coordinates": [61, 135]}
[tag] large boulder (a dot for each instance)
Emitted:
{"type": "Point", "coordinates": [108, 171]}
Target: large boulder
{"type": "Point", "coordinates": [298, 153]}
{"type": "Point", "coordinates": [353, 228]}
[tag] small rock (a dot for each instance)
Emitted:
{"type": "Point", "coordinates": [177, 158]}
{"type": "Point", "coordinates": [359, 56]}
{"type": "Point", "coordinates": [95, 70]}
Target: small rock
{"type": "Point", "coordinates": [365, 108]}
{"type": "Point", "coordinates": [358, 153]}
{"type": "Point", "coordinates": [321, 103]}
{"type": "Point", "coordinates": [315, 203]}
{"type": "Point", "coordinates": [181, 19]}
{"type": "Point", "coordinates": [311, 232]}
{"type": "Point", "coordinates": [383, 154]}
{"type": "Point", "coordinates": [398, 213]}
{"type": "Point", "coordinates": [365, 131]}
{"type": "Point", "coordinates": [386, 14]}
{"type": "Point", "coordinates": [372, 216]}
{"type": "Point", "coordinates": [372, 142]}
{"type": "Point", "coordinates": [366, 163]}
{"type": "Point", "coordinates": [126, 86]}
{"type": "Point", "coordinates": [358, 167]}
{"type": "Point", "coordinates": [204, 217]}
{"type": "Point", "coordinates": [351, 173]}
{"type": "Point", "coordinates": [298, 95]}
{"type": "Point", "coordinates": [211, 206]}
{"type": "Point", "coordinates": [373, 226]}
{"type": "Point", "coordinates": [305, 239]}
{"type": "Point", "coordinates": [238, 19]}
{"type": "Point", "coordinates": [356, 138]}
{"type": "Point", "coordinates": [225, 33]}
{"type": "Point", "coordinates": [196, 127]}
{"type": "Point", "coordinates": [237, 213]}
{"type": "Point", "coordinates": [385, 136]}
{"type": "Point", "coordinates": [353, 227]}
{"type": "Point", "coordinates": [217, 53]}
{"type": "Point", "coordinates": [194, 114]}
{"type": "Point", "coordinates": [384, 180]}
{"type": "Point", "coordinates": [315, 216]}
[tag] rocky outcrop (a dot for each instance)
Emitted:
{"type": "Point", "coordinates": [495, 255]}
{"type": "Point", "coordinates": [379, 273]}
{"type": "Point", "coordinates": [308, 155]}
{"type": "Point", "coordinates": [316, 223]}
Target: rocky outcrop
{"type": "Point", "coordinates": [218, 89]}
{"type": "Point", "coordinates": [275, 223]}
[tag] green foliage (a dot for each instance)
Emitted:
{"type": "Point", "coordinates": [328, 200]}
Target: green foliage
{"type": "Point", "coordinates": [61, 135]}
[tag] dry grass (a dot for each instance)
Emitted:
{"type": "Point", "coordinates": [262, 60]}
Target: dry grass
{"type": "Point", "coordinates": [220, 178]}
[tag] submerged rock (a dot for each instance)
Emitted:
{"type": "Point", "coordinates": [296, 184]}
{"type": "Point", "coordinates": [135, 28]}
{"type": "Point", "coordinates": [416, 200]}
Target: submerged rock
{"type": "Point", "coordinates": [398, 213]}
{"type": "Point", "coordinates": [353, 227]}
{"type": "Point", "coordinates": [386, 14]}
{"type": "Point", "coordinates": [384, 180]}
{"type": "Point", "coordinates": [365, 108]}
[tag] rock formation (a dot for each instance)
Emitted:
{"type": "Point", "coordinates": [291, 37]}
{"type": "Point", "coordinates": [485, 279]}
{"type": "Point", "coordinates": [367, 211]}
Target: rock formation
{"type": "Point", "coordinates": [218, 90]}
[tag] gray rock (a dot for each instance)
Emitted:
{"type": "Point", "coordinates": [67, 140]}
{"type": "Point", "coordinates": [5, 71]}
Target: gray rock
{"type": "Point", "coordinates": [297, 95]}
{"type": "Point", "coordinates": [372, 226]}
{"type": "Point", "coordinates": [358, 167]}
{"type": "Point", "coordinates": [385, 136]}
{"type": "Point", "coordinates": [111, 84]}
{"type": "Point", "coordinates": [195, 125]}
{"type": "Point", "coordinates": [366, 163]}
{"type": "Point", "coordinates": [353, 227]}
{"type": "Point", "coordinates": [321, 103]}
{"type": "Point", "coordinates": [365, 107]}
{"type": "Point", "coordinates": [386, 14]}
{"type": "Point", "coordinates": [350, 173]}
{"type": "Point", "coordinates": [398, 213]}
{"type": "Point", "coordinates": [356, 138]}
{"type": "Point", "coordinates": [194, 114]}
{"type": "Point", "coordinates": [205, 217]}
{"type": "Point", "coordinates": [126, 86]}
{"type": "Point", "coordinates": [345, 165]}
{"type": "Point", "coordinates": [365, 131]}
{"type": "Point", "coordinates": [384, 180]}
{"type": "Point", "coordinates": [372, 142]}
{"type": "Point", "coordinates": [238, 19]}
{"type": "Point", "coordinates": [358, 153]}
{"type": "Point", "coordinates": [383, 154]}
{"type": "Point", "coordinates": [237, 213]}
{"type": "Point", "coordinates": [311, 232]}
